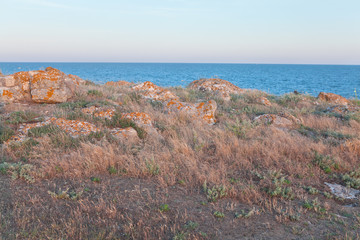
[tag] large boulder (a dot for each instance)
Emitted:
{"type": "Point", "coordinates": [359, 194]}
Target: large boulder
{"type": "Point", "coordinates": [49, 86]}
{"type": "Point", "coordinates": [220, 87]}
{"type": "Point", "coordinates": [333, 98]}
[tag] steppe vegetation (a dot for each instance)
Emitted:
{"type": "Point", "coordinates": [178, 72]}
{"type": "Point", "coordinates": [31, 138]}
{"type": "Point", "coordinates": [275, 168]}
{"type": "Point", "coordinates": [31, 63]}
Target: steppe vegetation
{"type": "Point", "coordinates": [238, 178]}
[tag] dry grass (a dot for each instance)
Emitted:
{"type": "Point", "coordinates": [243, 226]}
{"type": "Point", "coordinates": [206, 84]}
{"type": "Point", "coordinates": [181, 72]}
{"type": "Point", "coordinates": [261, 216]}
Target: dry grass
{"type": "Point", "coordinates": [243, 157]}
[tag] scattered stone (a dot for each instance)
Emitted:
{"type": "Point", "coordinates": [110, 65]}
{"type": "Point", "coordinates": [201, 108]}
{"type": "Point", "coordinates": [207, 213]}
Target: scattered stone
{"type": "Point", "coordinates": [151, 91]}
{"type": "Point", "coordinates": [343, 192]}
{"type": "Point", "coordinates": [220, 87]}
{"type": "Point", "coordinates": [333, 98]}
{"type": "Point", "coordinates": [281, 120]}
{"type": "Point", "coordinates": [49, 86]}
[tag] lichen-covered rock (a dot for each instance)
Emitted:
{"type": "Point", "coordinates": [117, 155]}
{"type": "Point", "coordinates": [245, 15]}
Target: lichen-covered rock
{"type": "Point", "coordinates": [124, 133]}
{"type": "Point", "coordinates": [74, 128]}
{"type": "Point", "coordinates": [202, 111]}
{"type": "Point", "coordinates": [220, 87]}
{"type": "Point", "coordinates": [139, 118]}
{"type": "Point", "coordinates": [343, 192]}
{"type": "Point", "coordinates": [333, 98]}
{"type": "Point", "coordinates": [49, 86]}
{"type": "Point", "coordinates": [118, 83]}
{"type": "Point", "coordinates": [99, 112]}
{"type": "Point", "coordinates": [151, 91]}
{"type": "Point", "coordinates": [281, 120]}
{"type": "Point", "coordinates": [265, 101]}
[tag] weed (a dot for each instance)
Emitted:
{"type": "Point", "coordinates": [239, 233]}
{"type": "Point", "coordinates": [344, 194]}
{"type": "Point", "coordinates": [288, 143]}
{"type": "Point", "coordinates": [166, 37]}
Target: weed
{"type": "Point", "coordinates": [112, 170]}
{"type": "Point", "coordinates": [22, 117]}
{"type": "Point", "coordinates": [314, 205]}
{"type": "Point", "coordinates": [240, 127]}
{"type": "Point", "coordinates": [191, 225]}
{"type": "Point", "coordinates": [117, 121]}
{"type": "Point", "coordinates": [311, 190]}
{"type": "Point", "coordinates": [277, 188]}
{"type": "Point", "coordinates": [44, 130]}
{"type": "Point", "coordinates": [244, 214]}
{"type": "Point", "coordinates": [66, 194]}
{"type": "Point", "coordinates": [214, 193]}
{"type": "Point", "coordinates": [152, 167]}
{"type": "Point", "coordinates": [164, 208]}
{"type": "Point", "coordinates": [326, 163]}
{"type": "Point", "coordinates": [95, 93]}
{"type": "Point", "coordinates": [18, 171]}
{"type": "Point", "coordinates": [218, 214]}
{"type": "Point", "coordinates": [95, 179]}
{"type": "Point", "coordinates": [5, 133]}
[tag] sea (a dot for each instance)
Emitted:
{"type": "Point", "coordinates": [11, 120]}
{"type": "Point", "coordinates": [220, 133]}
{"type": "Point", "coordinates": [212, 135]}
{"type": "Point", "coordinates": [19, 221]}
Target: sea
{"type": "Point", "coordinates": [275, 79]}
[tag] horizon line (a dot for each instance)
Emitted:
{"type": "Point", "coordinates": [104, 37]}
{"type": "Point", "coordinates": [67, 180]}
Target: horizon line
{"type": "Point", "coordinates": [250, 63]}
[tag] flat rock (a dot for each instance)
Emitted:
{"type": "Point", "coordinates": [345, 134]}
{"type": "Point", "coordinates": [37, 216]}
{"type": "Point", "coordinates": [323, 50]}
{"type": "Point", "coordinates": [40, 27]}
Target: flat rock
{"type": "Point", "coordinates": [151, 91]}
{"type": "Point", "coordinates": [343, 192]}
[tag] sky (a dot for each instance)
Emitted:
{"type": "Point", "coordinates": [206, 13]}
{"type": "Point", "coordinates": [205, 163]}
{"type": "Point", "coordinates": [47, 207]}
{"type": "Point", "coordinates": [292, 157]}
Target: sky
{"type": "Point", "coordinates": [194, 31]}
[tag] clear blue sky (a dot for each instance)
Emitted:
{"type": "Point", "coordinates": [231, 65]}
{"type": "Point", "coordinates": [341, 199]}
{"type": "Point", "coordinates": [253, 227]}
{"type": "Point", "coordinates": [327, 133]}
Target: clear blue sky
{"type": "Point", "coordinates": [229, 31]}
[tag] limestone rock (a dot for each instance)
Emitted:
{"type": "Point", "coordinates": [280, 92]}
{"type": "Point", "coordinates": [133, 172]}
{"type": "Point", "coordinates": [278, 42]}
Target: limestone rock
{"type": "Point", "coordinates": [220, 87]}
{"type": "Point", "coordinates": [49, 86]}
{"type": "Point", "coordinates": [139, 118]}
{"type": "Point", "coordinates": [151, 91]}
{"type": "Point", "coordinates": [333, 98]}
{"type": "Point", "coordinates": [343, 192]}
{"type": "Point", "coordinates": [342, 109]}
{"type": "Point", "coordinates": [202, 111]}
{"type": "Point", "coordinates": [281, 120]}
{"type": "Point", "coordinates": [124, 133]}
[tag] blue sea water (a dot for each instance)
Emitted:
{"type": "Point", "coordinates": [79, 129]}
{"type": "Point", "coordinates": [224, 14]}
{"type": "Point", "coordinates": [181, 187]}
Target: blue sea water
{"type": "Point", "coordinates": [272, 78]}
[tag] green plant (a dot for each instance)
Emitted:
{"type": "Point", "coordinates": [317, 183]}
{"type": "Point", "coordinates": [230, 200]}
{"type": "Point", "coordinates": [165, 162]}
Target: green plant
{"type": "Point", "coordinates": [22, 117]}
{"type": "Point", "coordinates": [214, 193]}
{"type": "Point", "coordinates": [117, 121]}
{"type": "Point", "coordinates": [95, 179]}
{"type": "Point", "coordinates": [5, 133]}
{"type": "Point", "coordinates": [164, 208]}
{"type": "Point", "coordinates": [218, 214]}
{"type": "Point", "coordinates": [244, 214]}
{"type": "Point", "coordinates": [66, 194]}
{"type": "Point", "coordinates": [277, 188]}
{"type": "Point", "coordinates": [112, 170]}
{"type": "Point", "coordinates": [190, 225]}
{"type": "Point", "coordinates": [44, 130]}
{"type": "Point", "coordinates": [314, 205]}
{"type": "Point", "coordinates": [152, 167]}
{"type": "Point", "coordinates": [326, 163]}
{"type": "Point", "coordinates": [240, 127]}
{"type": "Point", "coordinates": [311, 190]}
{"type": "Point", "coordinates": [18, 171]}
{"type": "Point", "coordinates": [95, 93]}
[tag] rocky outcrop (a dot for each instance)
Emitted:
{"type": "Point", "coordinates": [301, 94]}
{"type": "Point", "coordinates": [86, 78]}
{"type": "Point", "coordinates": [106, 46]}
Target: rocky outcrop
{"type": "Point", "coordinates": [124, 133]}
{"type": "Point", "coordinates": [220, 87]}
{"type": "Point", "coordinates": [333, 98]}
{"type": "Point", "coordinates": [151, 91]}
{"type": "Point", "coordinates": [205, 111]}
{"type": "Point", "coordinates": [49, 86]}
{"type": "Point", "coordinates": [281, 120]}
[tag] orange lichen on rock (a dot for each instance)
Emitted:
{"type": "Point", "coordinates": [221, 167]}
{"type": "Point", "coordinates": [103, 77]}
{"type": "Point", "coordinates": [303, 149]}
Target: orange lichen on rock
{"type": "Point", "coordinates": [124, 133]}
{"type": "Point", "coordinates": [140, 118]}
{"type": "Point", "coordinates": [99, 112]}
{"type": "Point", "coordinates": [7, 93]}
{"type": "Point", "coordinates": [49, 86]}
{"type": "Point", "coordinates": [333, 98]}
{"type": "Point", "coordinates": [265, 101]}
{"type": "Point", "coordinates": [342, 109]}
{"type": "Point", "coordinates": [202, 111]}
{"type": "Point", "coordinates": [118, 83]}
{"type": "Point", "coordinates": [220, 87]}
{"type": "Point", "coordinates": [153, 92]}
{"type": "Point", "coordinates": [74, 128]}
{"type": "Point", "coordinates": [281, 120]}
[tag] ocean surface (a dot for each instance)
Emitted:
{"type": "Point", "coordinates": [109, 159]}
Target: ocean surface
{"type": "Point", "coordinates": [272, 78]}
